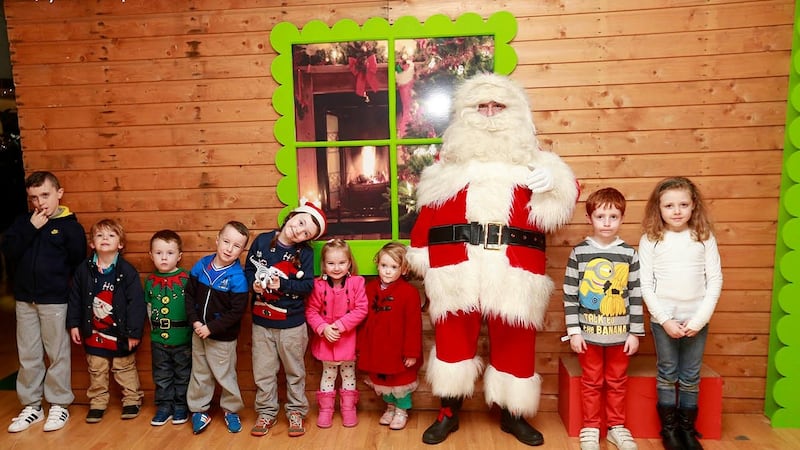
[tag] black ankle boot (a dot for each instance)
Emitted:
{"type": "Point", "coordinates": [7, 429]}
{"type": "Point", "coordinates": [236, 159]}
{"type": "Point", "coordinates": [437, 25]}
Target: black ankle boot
{"type": "Point", "coordinates": [688, 433]}
{"type": "Point", "coordinates": [670, 434]}
{"type": "Point", "coordinates": [446, 423]}
{"type": "Point", "coordinates": [521, 429]}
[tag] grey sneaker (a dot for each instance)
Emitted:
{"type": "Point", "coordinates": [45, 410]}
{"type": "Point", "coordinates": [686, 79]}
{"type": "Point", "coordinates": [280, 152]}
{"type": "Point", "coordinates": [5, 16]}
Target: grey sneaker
{"type": "Point", "coordinates": [56, 418]}
{"type": "Point", "coordinates": [590, 438]}
{"type": "Point", "coordinates": [27, 417]}
{"type": "Point", "coordinates": [621, 437]}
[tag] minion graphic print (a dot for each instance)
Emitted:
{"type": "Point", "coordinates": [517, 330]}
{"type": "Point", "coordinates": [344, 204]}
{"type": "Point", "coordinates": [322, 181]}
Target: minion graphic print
{"type": "Point", "coordinates": [602, 299]}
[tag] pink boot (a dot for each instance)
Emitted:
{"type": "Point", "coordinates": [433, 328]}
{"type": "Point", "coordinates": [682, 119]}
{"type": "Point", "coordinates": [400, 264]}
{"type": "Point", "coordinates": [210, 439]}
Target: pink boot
{"type": "Point", "coordinates": [326, 401]}
{"type": "Point", "coordinates": [348, 400]}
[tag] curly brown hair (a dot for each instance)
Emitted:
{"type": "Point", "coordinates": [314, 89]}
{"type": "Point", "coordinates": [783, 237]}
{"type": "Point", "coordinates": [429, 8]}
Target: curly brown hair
{"type": "Point", "coordinates": [653, 224]}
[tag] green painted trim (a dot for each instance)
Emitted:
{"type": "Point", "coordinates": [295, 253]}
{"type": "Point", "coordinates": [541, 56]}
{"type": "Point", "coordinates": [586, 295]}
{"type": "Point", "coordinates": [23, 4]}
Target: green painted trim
{"type": "Point", "coordinates": [502, 25]}
{"type": "Point", "coordinates": [782, 402]}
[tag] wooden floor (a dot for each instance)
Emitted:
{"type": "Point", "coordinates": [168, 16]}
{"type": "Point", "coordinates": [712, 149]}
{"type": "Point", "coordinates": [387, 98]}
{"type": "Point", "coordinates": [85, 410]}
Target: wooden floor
{"type": "Point", "coordinates": [479, 430]}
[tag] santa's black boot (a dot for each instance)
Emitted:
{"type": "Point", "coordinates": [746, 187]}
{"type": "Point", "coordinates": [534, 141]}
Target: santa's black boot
{"type": "Point", "coordinates": [521, 429]}
{"type": "Point", "coordinates": [446, 423]}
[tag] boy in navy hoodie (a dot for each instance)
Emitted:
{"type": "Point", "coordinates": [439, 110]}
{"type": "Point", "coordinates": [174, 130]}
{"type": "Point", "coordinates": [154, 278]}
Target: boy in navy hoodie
{"type": "Point", "coordinates": [45, 246]}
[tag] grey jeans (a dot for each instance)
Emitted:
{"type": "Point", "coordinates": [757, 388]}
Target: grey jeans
{"type": "Point", "coordinates": [41, 329]}
{"type": "Point", "coordinates": [271, 348]}
{"type": "Point", "coordinates": [213, 360]}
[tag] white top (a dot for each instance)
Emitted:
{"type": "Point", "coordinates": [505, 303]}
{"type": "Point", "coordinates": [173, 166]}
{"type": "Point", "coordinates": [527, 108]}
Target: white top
{"type": "Point", "coordinates": [681, 278]}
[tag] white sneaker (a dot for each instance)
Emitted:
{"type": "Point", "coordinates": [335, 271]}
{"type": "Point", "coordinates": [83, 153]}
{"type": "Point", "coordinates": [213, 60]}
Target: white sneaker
{"type": "Point", "coordinates": [621, 437]}
{"type": "Point", "coordinates": [56, 418]}
{"type": "Point", "coordinates": [25, 419]}
{"type": "Point", "coordinates": [590, 438]}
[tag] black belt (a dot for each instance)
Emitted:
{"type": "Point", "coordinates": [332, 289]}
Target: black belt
{"type": "Point", "coordinates": [166, 324]}
{"type": "Point", "coordinates": [490, 235]}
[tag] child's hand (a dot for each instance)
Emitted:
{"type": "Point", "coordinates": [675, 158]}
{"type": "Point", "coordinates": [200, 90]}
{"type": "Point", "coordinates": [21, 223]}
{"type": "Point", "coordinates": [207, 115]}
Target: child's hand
{"type": "Point", "coordinates": [133, 342]}
{"type": "Point", "coordinates": [577, 344]}
{"type": "Point", "coordinates": [331, 333]}
{"type": "Point", "coordinates": [201, 330]}
{"type": "Point", "coordinates": [631, 345]}
{"type": "Point", "coordinates": [408, 362]}
{"type": "Point", "coordinates": [257, 287]}
{"type": "Point", "coordinates": [274, 284]}
{"type": "Point", "coordinates": [39, 218]}
{"type": "Point", "coordinates": [75, 334]}
{"type": "Point", "coordinates": [688, 332]}
{"type": "Point", "coordinates": [674, 329]}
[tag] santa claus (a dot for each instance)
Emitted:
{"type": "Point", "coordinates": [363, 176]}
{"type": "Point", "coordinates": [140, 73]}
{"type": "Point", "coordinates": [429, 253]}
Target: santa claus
{"type": "Point", "coordinates": [479, 243]}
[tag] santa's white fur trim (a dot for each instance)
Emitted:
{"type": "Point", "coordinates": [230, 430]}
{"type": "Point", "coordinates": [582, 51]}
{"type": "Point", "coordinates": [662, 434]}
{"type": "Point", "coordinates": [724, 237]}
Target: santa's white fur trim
{"type": "Point", "coordinates": [440, 182]}
{"type": "Point", "coordinates": [487, 282]}
{"type": "Point", "coordinates": [418, 260]}
{"type": "Point", "coordinates": [453, 379]}
{"type": "Point", "coordinates": [516, 295]}
{"type": "Point", "coordinates": [452, 288]}
{"type": "Point", "coordinates": [520, 396]}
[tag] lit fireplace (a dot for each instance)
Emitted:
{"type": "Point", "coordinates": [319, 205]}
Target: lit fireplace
{"type": "Point", "coordinates": [367, 179]}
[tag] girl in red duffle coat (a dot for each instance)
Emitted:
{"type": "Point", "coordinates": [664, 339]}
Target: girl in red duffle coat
{"type": "Point", "coordinates": [390, 340]}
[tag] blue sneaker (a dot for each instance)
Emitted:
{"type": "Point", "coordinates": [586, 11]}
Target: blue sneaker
{"type": "Point", "coordinates": [233, 422]}
{"type": "Point", "coordinates": [180, 416]}
{"type": "Point", "coordinates": [162, 416]}
{"type": "Point", "coordinates": [200, 422]}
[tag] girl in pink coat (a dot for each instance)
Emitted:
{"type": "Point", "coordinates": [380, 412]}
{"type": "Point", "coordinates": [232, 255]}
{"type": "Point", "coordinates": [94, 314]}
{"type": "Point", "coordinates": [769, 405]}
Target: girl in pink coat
{"type": "Point", "coordinates": [336, 306]}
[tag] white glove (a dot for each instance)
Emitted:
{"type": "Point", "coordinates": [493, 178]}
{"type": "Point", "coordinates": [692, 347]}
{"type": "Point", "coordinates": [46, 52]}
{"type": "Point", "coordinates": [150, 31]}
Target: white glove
{"type": "Point", "coordinates": [539, 180]}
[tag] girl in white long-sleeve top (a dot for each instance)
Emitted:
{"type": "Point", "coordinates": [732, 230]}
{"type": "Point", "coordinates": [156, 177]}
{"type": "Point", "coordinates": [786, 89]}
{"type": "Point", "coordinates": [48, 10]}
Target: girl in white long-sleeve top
{"type": "Point", "coordinates": [681, 280]}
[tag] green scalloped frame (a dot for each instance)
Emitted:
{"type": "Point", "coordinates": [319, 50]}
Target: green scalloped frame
{"type": "Point", "coordinates": [502, 25]}
{"type": "Point", "coordinates": [782, 403]}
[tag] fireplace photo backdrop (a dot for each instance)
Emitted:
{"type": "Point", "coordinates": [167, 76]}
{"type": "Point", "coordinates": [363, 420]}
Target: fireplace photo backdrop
{"type": "Point", "coordinates": [362, 111]}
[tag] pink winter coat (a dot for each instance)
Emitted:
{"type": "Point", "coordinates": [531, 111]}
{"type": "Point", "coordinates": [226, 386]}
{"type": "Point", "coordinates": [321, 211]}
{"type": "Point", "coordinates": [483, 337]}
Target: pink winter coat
{"type": "Point", "coordinates": [346, 307]}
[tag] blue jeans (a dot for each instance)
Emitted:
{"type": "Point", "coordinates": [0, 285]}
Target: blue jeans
{"type": "Point", "coordinates": [172, 366]}
{"type": "Point", "coordinates": [679, 361]}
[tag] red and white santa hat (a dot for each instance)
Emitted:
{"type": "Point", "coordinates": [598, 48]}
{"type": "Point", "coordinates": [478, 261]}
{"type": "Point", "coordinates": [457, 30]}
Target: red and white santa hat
{"type": "Point", "coordinates": [105, 296]}
{"type": "Point", "coordinates": [316, 213]}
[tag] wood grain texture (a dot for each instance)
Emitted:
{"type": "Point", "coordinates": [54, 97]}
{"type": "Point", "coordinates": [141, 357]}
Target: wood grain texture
{"type": "Point", "coordinates": [158, 114]}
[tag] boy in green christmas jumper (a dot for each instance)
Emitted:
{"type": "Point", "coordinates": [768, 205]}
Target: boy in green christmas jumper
{"type": "Point", "coordinates": [171, 333]}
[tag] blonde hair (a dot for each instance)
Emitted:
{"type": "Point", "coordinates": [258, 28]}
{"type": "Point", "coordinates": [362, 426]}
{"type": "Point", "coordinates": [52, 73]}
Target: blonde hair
{"type": "Point", "coordinates": [109, 224]}
{"type": "Point", "coordinates": [341, 245]}
{"type": "Point", "coordinates": [397, 252]}
{"type": "Point", "coordinates": [699, 223]}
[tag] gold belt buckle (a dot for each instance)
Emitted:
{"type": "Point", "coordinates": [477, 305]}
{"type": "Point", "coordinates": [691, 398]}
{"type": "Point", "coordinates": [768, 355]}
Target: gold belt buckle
{"type": "Point", "coordinates": [492, 235]}
{"type": "Point", "coordinates": [164, 323]}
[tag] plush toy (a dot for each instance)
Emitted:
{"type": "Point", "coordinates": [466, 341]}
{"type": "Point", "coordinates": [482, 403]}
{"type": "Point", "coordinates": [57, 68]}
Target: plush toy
{"type": "Point", "coordinates": [479, 243]}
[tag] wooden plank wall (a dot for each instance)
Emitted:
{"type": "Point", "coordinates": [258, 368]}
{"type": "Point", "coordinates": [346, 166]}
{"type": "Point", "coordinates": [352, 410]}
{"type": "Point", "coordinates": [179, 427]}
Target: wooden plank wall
{"type": "Point", "coordinates": [157, 113]}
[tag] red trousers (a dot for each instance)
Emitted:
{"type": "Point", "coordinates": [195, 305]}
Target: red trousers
{"type": "Point", "coordinates": [512, 349]}
{"type": "Point", "coordinates": [603, 366]}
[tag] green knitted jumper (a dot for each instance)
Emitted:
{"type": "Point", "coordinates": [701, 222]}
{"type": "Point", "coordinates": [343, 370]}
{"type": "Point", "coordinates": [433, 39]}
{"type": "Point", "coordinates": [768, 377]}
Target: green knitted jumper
{"type": "Point", "coordinates": [164, 295]}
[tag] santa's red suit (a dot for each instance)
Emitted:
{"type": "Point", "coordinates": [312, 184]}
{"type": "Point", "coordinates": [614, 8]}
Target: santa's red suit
{"type": "Point", "coordinates": [479, 243]}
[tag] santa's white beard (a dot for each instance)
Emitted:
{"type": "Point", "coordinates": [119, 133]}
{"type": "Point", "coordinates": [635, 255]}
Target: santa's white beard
{"type": "Point", "coordinates": [473, 136]}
